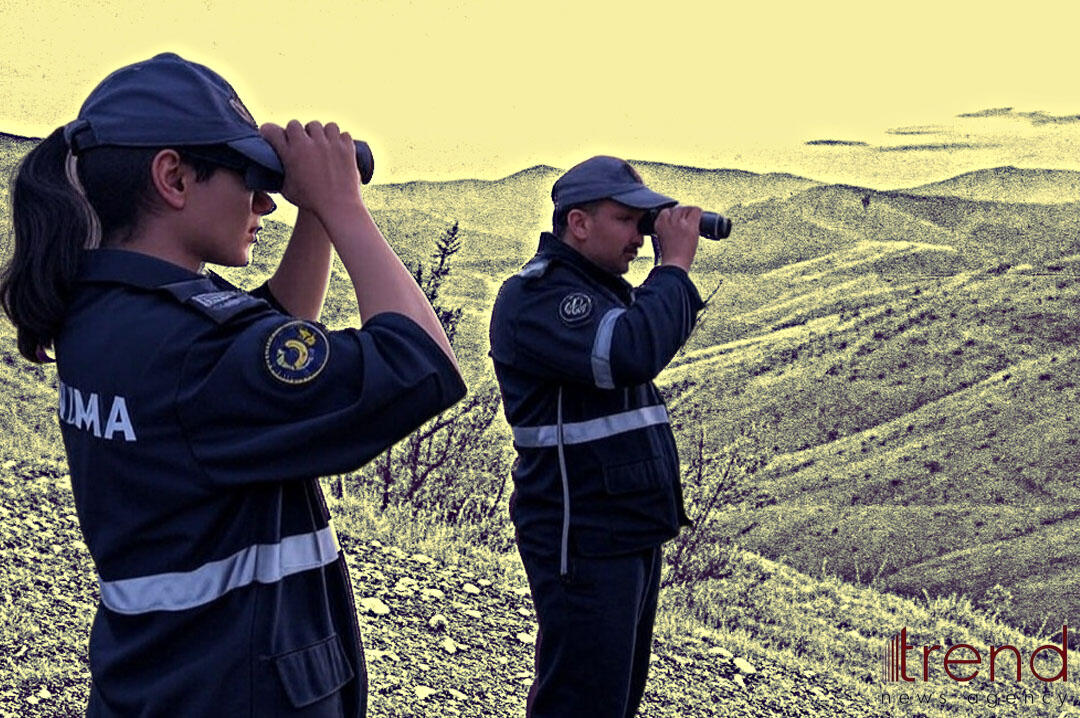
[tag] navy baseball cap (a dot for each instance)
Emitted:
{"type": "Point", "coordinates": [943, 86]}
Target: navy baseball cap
{"type": "Point", "coordinates": [168, 101]}
{"type": "Point", "coordinates": [604, 177]}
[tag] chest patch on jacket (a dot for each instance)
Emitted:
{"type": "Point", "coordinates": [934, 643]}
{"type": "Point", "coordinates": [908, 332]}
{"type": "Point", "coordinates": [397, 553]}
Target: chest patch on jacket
{"type": "Point", "coordinates": [296, 352]}
{"type": "Point", "coordinates": [575, 308]}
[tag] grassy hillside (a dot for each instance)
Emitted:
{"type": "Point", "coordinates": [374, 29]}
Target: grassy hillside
{"type": "Point", "coordinates": [820, 220]}
{"type": "Point", "coordinates": [12, 149]}
{"type": "Point", "coordinates": [924, 428]}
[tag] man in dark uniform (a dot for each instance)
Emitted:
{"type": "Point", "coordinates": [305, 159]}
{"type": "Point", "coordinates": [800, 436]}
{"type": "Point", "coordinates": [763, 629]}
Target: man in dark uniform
{"type": "Point", "coordinates": [576, 349]}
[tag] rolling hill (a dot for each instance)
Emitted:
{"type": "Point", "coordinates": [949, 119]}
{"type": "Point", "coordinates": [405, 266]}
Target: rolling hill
{"type": "Point", "coordinates": [517, 208]}
{"type": "Point", "coordinates": [1011, 184]}
{"type": "Point", "coordinates": [923, 427]}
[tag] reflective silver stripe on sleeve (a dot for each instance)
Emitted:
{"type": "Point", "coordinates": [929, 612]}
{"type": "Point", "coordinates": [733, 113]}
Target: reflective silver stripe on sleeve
{"type": "Point", "coordinates": [564, 544]}
{"type": "Point", "coordinates": [580, 432]}
{"type": "Point", "coordinates": [601, 350]}
{"type": "Point", "coordinates": [264, 563]}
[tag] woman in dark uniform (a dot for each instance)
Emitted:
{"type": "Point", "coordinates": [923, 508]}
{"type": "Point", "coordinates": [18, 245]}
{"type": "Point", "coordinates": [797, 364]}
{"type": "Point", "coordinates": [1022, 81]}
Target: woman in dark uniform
{"type": "Point", "coordinates": [196, 416]}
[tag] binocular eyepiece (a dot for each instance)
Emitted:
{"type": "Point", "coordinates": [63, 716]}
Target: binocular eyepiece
{"type": "Point", "coordinates": [711, 226]}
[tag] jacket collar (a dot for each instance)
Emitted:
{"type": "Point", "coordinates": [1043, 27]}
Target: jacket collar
{"type": "Point", "coordinates": [552, 246]}
{"type": "Point", "coordinates": [120, 266]}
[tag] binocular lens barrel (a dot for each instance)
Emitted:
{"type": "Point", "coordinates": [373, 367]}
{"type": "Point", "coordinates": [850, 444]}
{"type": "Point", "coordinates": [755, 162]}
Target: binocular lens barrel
{"type": "Point", "coordinates": [711, 226]}
{"type": "Point", "coordinates": [365, 161]}
{"type": "Point", "coordinates": [259, 177]}
{"type": "Point", "coordinates": [714, 226]}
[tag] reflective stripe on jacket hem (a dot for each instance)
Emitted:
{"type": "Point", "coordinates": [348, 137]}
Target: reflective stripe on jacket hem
{"type": "Point", "coordinates": [262, 563]}
{"type": "Point", "coordinates": [580, 432]}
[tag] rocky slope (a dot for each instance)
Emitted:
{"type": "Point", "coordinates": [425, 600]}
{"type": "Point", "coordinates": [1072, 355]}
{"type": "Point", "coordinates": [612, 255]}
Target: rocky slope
{"type": "Point", "coordinates": [441, 639]}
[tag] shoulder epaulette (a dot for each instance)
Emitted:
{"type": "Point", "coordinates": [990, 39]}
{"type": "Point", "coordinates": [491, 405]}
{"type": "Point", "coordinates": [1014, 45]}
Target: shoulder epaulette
{"type": "Point", "coordinates": [220, 305]}
{"type": "Point", "coordinates": [535, 267]}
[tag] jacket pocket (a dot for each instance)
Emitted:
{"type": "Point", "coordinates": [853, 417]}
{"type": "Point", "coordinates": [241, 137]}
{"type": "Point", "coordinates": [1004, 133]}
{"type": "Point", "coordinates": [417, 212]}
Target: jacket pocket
{"type": "Point", "coordinates": [315, 672]}
{"type": "Point", "coordinates": [646, 475]}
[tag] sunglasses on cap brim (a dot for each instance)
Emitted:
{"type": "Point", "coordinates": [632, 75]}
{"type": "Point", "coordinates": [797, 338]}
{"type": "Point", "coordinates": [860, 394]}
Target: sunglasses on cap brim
{"type": "Point", "coordinates": [256, 177]}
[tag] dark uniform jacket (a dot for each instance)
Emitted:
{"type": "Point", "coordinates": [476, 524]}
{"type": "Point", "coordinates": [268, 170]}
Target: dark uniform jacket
{"type": "Point", "coordinates": [196, 418]}
{"type": "Point", "coordinates": [576, 350]}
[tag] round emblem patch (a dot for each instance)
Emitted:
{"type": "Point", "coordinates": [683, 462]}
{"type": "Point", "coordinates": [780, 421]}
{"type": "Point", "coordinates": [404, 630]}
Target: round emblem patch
{"type": "Point", "coordinates": [575, 308]}
{"type": "Point", "coordinates": [296, 352]}
{"type": "Point", "coordinates": [241, 110]}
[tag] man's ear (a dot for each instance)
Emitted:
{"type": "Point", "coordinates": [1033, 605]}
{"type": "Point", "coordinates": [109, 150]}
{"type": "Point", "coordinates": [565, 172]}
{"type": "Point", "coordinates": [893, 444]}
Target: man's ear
{"type": "Point", "coordinates": [171, 178]}
{"type": "Point", "coordinates": [577, 221]}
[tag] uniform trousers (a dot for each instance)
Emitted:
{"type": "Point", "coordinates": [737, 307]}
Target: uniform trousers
{"type": "Point", "coordinates": [595, 635]}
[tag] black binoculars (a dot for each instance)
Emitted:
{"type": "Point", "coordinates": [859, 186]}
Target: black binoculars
{"type": "Point", "coordinates": [711, 226]}
{"type": "Point", "coordinates": [264, 179]}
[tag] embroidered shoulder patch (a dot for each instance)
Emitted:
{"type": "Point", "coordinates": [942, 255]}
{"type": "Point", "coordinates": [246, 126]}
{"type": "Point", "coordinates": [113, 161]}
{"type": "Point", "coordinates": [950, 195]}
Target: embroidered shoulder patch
{"type": "Point", "coordinates": [575, 308]}
{"type": "Point", "coordinates": [296, 352]}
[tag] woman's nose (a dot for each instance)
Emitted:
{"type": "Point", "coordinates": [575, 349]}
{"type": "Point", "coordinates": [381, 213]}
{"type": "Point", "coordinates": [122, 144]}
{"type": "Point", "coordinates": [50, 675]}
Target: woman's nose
{"type": "Point", "coordinates": [261, 204]}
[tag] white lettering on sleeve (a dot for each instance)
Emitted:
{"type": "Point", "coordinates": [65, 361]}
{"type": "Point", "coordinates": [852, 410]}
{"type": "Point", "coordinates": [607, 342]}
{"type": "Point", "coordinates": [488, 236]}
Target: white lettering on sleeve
{"type": "Point", "coordinates": [119, 420]}
{"type": "Point", "coordinates": [86, 415]}
{"type": "Point", "coordinates": [63, 402]}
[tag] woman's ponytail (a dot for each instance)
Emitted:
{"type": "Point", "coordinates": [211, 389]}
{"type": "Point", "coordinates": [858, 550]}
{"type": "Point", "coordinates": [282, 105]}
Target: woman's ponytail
{"type": "Point", "coordinates": [52, 222]}
{"type": "Point", "coordinates": [59, 208]}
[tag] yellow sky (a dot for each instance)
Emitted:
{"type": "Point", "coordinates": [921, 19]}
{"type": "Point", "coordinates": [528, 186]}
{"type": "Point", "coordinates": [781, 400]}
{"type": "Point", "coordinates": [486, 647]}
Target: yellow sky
{"type": "Point", "coordinates": [483, 88]}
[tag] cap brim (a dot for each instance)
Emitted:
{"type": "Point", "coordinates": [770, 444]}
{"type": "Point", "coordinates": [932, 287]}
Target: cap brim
{"type": "Point", "coordinates": [267, 173]}
{"type": "Point", "coordinates": [644, 198]}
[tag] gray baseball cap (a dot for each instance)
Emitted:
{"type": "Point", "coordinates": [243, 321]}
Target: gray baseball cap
{"type": "Point", "coordinates": [604, 177]}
